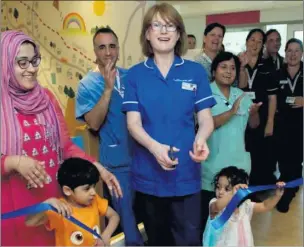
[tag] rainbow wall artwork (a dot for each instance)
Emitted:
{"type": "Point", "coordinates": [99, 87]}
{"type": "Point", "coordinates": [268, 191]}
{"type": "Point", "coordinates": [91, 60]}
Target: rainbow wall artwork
{"type": "Point", "coordinates": [73, 24]}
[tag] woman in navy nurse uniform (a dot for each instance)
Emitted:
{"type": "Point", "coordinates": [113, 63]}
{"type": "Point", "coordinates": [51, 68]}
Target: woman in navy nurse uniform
{"type": "Point", "coordinates": [261, 87]}
{"type": "Point", "coordinates": [161, 97]}
{"type": "Point", "coordinates": [290, 119]}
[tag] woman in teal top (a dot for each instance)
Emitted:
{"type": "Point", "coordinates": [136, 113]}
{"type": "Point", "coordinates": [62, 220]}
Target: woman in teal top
{"type": "Point", "coordinates": [234, 109]}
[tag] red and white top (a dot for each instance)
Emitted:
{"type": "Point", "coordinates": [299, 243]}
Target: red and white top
{"type": "Point", "coordinates": [16, 193]}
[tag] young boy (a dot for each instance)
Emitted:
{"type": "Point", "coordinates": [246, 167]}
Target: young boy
{"type": "Point", "coordinates": [77, 179]}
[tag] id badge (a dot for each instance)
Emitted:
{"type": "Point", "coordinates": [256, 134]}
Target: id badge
{"type": "Point", "coordinates": [189, 86]}
{"type": "Point", "coordinates": [251, 95]}
{"type": "Point", "coordinates": [282, 82]}
{"type": "Point", "coordinates": [290, 100]}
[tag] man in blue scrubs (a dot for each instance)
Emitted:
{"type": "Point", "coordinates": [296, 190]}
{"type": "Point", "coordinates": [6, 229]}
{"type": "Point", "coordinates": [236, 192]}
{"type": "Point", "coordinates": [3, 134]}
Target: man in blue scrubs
{"type": "Point", "coordinates": [98, 102]}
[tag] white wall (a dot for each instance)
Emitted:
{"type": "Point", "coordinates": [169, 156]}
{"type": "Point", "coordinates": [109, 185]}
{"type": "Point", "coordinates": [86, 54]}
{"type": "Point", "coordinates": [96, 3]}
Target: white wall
{"type": "Point", "coordinates": [283, 15]}
{"type": "Point", "coordinates": [196, 24]}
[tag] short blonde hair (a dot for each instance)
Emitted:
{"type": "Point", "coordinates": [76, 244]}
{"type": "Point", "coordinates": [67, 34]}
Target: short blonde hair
{"type": "Point", "coordinates": [168, 13]}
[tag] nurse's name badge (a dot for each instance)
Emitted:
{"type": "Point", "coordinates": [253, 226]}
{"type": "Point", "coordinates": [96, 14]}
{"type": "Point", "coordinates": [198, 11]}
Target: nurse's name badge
{"type": "Point", "coordinates": [251, 95]}
{"type": "Point", "coordinates": [282, 82]}
{"type": "Point", "coordinates": [290, 100]}
{"type": "Point", "coordinates": [189, 86]}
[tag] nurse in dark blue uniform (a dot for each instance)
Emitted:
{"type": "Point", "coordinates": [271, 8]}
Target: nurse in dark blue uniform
{"type": "Point", "coordinates": [261, 87]}
{"type": "Point", "coordinates": [161, 97]}
{"type": "Point", "coordinates": [290, 119]}
{"type": "Point", "coordinates": [274, 62]}
{"type": "Point", "coordinates": [273, 45]}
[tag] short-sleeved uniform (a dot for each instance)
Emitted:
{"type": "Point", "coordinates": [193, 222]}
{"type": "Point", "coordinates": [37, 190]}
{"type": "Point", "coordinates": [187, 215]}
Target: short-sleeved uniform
{"type": "Point", "coordinates": [114, 149]}
{"type": "Point", "coordinates": [69, 234]}
{"type": "Point", "coordinates": [115, 144]}
{"type": "Point", "coordinates": [272, 142]}
{"type": "Point", "coordinates": [222, 153]}
{"type": "Point", "coordinates": [226, 144]}
{"type": "Point", "coordinates": [166, 106]}
{"type": "Point", "coordinates": [261, 84]}
{"type": "Point", "coordinates": [276, 64]}
{"type": "Point", "coordinates": [290, 127]}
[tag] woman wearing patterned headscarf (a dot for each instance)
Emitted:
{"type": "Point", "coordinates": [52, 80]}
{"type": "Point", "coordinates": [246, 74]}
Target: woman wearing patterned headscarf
{"type": "Point", "coordinates": [34, 140]}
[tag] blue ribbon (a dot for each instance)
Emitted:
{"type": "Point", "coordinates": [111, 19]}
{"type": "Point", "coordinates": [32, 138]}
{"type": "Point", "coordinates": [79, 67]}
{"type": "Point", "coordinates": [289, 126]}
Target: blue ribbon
{"type": "Point", "coordinates": [241, 194]}
{"type": "Point", "coordinates": [41, 207]}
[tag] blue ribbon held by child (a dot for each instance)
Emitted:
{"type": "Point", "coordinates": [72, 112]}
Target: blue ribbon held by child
{"type": "Point", "coordinates": [241, 194]}
{"type": "Point", "coordinates": [41, 207]}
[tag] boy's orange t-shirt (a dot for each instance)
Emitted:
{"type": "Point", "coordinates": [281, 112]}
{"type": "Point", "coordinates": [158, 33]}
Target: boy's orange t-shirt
{"type": "Point", "coordinates": [69, 234]}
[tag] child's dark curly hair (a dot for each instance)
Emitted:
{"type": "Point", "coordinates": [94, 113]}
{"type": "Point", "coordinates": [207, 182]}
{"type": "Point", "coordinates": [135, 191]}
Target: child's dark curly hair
{"type": "Point", "coordinates": [234, 176]}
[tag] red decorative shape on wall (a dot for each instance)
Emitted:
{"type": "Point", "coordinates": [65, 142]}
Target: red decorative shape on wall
{"type": "Point", "coordinates": [236, 18]}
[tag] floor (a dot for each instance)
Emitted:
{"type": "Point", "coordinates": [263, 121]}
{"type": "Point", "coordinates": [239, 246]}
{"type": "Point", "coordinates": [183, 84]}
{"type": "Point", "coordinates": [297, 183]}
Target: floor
{"type": "Point", "coordinates": [278, 229]}
{"type": "Point", "coordinates": [269, 229]}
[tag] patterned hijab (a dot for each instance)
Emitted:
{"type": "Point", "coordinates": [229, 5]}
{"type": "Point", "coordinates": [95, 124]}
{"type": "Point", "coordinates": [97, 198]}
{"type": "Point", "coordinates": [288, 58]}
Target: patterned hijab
{"type": "Point", "coordinates": [28, 102]}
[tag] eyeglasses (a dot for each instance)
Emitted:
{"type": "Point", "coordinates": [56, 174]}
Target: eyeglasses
{"type": "Point", "coordinates": [25, 63]}
{"type": "Point", "coordinates": [156, 26]}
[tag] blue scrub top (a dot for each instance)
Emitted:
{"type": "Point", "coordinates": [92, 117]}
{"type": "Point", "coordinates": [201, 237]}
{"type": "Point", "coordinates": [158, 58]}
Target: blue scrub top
{"type": "Point", "coordinates": [166, 106]}
{"type": "Point", "coordinates": [115, 142]}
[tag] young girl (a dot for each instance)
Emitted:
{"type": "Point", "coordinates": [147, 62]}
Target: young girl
{"type": "Point", "coordinates": [237, 230]}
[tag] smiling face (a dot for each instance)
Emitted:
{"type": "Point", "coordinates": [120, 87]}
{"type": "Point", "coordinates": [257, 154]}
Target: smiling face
{"type": "Point", "coordinates": [225, 72]}
{"type": "Point", "coordinates": [25, 72]}
{"type": "Point", "coordinates": [213, 40]}
{"type": "Point", "coordinates": [255, 43]}
{"type": "Point", "coordinates": [106, 48]}
{"type": "Point", "coordinates": [294, 54]}
{"type": "Point", "coordinates": [163, 35]}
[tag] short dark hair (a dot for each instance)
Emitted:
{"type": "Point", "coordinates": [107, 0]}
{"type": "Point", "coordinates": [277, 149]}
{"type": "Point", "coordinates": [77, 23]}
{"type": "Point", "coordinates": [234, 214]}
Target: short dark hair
{"type": "Point", "coordinates": [213, 25]}
{"type": "Point", "coordinates": [270, 31]}
{"type": "Point", "coordinates": [256, 30]}
{"type": "Point", "coordinates": [225, 56]}
{"type": "Point", "coordinates": [233, 174]}
{"type": "Point", "coordinates": [75, 172]}
{"type": "Point", "coordinates": [191, 36]}
{"type": "Point", "coordinates": [294, 40]}
{"type": "Point", "coordinates": [104, 30]}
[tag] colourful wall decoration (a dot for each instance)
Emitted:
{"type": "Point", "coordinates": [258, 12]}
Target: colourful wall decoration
{"type": "Point", "coordinates": [99, 7]}
{"type": "Point", "coordinates": [66, 58]}
{"type": "Point", "coordinates": [68, 27]}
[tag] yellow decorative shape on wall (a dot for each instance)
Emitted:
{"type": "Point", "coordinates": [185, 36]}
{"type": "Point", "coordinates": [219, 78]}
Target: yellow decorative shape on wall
{"type": "Point", "coordinates": [99, 7]}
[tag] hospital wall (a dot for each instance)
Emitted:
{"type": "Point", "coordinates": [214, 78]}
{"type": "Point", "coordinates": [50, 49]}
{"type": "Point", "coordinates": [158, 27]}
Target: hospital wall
{"type": "Point", "coordinates": [196, 24]}
{"type": "Point", "coordinates": [64, 32]}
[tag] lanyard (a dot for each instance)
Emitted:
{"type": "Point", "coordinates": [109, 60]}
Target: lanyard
{"type": "Point", "coordinates": [119, 88]}
{"type": "Point", "coordinates": [251, 79]}
{"type": "Point", "coordinates": [278, 63]}
{"type": "Point", "coordinates": [292, 87]}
